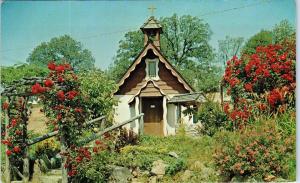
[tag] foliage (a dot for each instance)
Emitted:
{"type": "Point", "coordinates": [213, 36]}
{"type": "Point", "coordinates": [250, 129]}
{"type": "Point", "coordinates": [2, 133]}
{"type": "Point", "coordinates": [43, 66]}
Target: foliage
{"type": "Point", "coordinates": [212, 118]}
{"type": "Point", "coordinates": [277, 35]}
{"type": "Point", "coordinates": [13, 73]}
{"type": "Point", "coordinates": [262, 82]}
{"type": "Point", "coordinates": [283, 31]}
{"type": "Point", "coordinates": [229, 47]}
{"type": "Point", "coordinates": [98, 89]}
{"type": "Point", "coordinates": [260, 151]}
{"type": "Point", "coordinates": [96, 170]}
{"type": "Point", "coordinates": [14, 142]}
{"type": "Point", "coordinates": [49, 147]}
{"type": "Point", "coordinates": [62, 49]}
{"type": "Point", "coordinates": [184, 42]}
{"type": "Point", "coordinates": [263, 38]}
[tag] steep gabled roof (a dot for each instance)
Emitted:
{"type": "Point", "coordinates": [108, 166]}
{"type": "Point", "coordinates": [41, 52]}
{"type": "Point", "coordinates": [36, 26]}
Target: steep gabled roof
{"type": "Point", "coordinates": [151, 23]}
{"type": "Point", "coordinates": [168, 65]}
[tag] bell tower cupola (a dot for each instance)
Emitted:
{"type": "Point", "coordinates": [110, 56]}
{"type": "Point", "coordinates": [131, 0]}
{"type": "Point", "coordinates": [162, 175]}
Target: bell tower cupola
{"type": "Point", "coordinates": [152, 30]}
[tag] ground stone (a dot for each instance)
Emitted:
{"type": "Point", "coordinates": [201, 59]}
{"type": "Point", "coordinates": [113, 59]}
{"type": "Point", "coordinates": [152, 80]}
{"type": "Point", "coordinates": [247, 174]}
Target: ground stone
{"type": "Point", "coordinates": [158, 168]}
{"type": "Point", "coordinates": [120, 175]}
{"type": "Point", "coordinates": [153, 179]}
{"type": "Point", "coordinates": [173, 154]}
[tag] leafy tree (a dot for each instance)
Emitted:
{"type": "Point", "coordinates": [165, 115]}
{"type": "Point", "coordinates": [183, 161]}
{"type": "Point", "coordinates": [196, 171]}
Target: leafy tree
{"type": "Point", "coordinates": [12, 73]}
{"type": "Point", "coordinates": [263, 38]}
{"type": "Point", "coordinates": [62, 49]}
{"type": "Point", "coordinates": [184, 42]}
{"type": "Point", "coordinates": [229, 47]}
{"type": "Point", "coordinates": [282, 31]}
{"type": "Point", "coordinates": [97, 88]}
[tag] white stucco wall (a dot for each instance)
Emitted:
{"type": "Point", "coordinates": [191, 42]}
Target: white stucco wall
{"type": "Point", "coordinates": [123, 111]}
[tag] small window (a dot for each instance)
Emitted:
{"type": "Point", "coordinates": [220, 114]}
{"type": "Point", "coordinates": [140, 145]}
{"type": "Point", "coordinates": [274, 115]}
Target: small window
{"type": "Point", "coordinates": [152, 69]}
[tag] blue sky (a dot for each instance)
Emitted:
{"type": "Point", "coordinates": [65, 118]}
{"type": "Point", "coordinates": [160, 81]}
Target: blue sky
{"type": "Point", "coordinates": [100, 25]}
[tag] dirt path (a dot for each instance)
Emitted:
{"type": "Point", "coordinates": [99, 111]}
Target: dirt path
{"type": "Point", "coordinates": [37, 120]}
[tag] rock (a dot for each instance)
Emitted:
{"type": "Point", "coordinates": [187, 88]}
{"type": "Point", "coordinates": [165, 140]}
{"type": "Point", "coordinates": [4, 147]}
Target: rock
{"type": "Point", "coordinates": [269, 178]}
{"type": "Point", "coordinates": [158, 168]}
{"type": "Point", "coordinates": [187, 175]}
{"type": "Point", "coordinates": [173, 154]}
{"type": "Point", "coordinates": [120, 175]}
{"type": "Point", "coordinates": [153, 179]}
{"type": "Point", "coordinates": [145, 173]}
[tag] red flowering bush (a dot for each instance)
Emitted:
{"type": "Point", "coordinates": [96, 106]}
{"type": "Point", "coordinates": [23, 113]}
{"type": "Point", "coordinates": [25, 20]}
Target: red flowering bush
{"type": "Point", "coordinates": [257, 152]}
{"type": "Point", "coordinates": [15, 142]}
{"type": "Point", "coordinates": [261, 83]}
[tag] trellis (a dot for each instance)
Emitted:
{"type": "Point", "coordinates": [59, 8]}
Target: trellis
{"type": "Point", "coordinates": [12, 92]}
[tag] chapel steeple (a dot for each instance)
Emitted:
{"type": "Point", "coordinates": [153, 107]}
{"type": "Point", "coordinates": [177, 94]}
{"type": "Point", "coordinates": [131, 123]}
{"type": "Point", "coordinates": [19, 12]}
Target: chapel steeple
{"type": "Point", "coordinates": [152, 30]}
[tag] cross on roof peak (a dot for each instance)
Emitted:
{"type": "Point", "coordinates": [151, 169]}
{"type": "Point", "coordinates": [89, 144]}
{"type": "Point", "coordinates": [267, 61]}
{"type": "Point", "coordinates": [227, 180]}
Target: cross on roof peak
{"type": "Point", "coordinates": [151, 9]}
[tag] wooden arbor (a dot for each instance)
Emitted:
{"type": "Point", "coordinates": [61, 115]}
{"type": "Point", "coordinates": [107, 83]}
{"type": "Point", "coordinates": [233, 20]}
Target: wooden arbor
{"type": "Point", "coordinates": [14, 93]}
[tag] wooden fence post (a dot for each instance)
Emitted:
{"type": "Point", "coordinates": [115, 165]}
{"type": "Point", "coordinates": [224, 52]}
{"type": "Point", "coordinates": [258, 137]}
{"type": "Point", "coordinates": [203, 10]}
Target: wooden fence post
{"type": "Point", "coordinates": [25, 139]}
{"type": "Point", "coordinates": [63, 149]}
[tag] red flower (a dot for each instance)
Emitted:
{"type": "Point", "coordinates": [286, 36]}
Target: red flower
{"type": "Point", "coordinates": [287, 77]}
{"type": "Point", "coordinates": [266, 73]}
{"type": "Point", "coordinates": [71, 94]}
{"type": "Point", "coordinates": [262, 106]}
{"type": "Point", "coordinates": [59, 117]}
{"type": "Point", "coordinates": [60, 68]}
{"type": "Point", "coordinates": [248, 87]}
{"type": "Point", "coordinates": [72, 173]}
{"type": "Point", "coordinates": [78, 110]}
{"type": "Point", "coordinates": [98, 142]}
{"type": "Point", "coordinates": [226, 108]}
{"type": "Point", "coordinates": [8, 152]}
{"type": "Point", "coordinates": [67, 66]}
{"type": "Point", "coordinates": [274, 97]}
{"type": "Point", "coordinates": [17, 149]}
{"type": "Point", "coordinates": [18, 132]}
{"type": "Point", "coordinates": [283, 56]}
{"type": "Point", "coordinates": [234, 81]}
{"type": "Point", "coordinates": [61, 96]}
{"type": "Point", "coordinates": [13, 122]}
{"type": "Point", "coordinates": [48, 83]}
{"type": "Point", "coordinates": [79, 159]}
{"type": "Point", "coordinates": [51, 66]}
{"type": "Point", "coordinates": [37, 88]}
{"type": "Point", "coordinates": [5, 105]}
{"type": "Point", "coordinates": [95, 149]}
{"type": "Point", "coordinates": [60, 79]}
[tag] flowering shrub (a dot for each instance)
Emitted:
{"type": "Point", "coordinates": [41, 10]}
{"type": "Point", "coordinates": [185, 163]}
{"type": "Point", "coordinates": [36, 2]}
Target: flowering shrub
{"type": "Point", "coordinates": [257, 152]}
{"type": "Point", "coordinates": [15, 141]}
{"type": "Point", "coordinates": [262, 82]}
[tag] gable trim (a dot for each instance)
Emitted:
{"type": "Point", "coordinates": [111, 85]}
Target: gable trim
{"type": "Point", "coordinates": [155, 50]}
{"type": "Point", "coordinates": [144, 86]}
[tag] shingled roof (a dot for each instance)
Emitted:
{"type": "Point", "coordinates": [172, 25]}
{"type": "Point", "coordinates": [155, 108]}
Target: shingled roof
{"type": "Point", "coordinates": [151, 23]}
{"type": "Point", "coordinates": [191, 98]}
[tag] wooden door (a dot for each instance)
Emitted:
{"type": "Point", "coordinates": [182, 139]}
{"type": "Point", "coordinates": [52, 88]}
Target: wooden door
{"type": "Point", "coordinates": [153, 115]}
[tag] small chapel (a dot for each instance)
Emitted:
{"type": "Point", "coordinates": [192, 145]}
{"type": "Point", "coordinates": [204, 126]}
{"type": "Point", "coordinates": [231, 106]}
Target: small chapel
{"type": "Point", "coordinates": [151, 85]}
